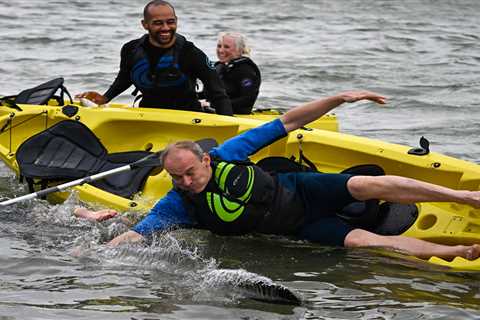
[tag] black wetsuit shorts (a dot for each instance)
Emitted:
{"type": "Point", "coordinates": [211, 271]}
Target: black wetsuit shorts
{"type": "Point", "coordinates": [323, 196]}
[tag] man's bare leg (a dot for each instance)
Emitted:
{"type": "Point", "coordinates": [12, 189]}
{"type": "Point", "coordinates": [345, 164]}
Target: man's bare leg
{"type": "Point", "coordinates": [90, 215]}
{"type": "Point", "coordinates": [416, 247]}
{"type": "Point", "coordinates": [406, 190]}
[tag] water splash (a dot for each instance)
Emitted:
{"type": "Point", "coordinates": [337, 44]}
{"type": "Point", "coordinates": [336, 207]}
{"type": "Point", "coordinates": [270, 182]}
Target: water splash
{"type": "Point", "coordinates": [201, 278]}
{"type": "Point", "coordinates": [247, 284]}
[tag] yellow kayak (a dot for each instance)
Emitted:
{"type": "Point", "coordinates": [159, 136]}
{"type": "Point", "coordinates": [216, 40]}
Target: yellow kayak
{"type": "Point", "coordinates": [327, 122]}
{"type": "Point", "coordinates": [122, 129]}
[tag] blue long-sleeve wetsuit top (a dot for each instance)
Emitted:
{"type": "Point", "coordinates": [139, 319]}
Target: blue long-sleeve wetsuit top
{"type": "Point", "coordinates": [171, 210]}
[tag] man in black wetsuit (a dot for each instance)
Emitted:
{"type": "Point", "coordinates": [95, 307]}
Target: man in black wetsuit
{"type": "Point", "coordinates": [164, 67]}
{"type": "Point", "coordinates": [220, 191]}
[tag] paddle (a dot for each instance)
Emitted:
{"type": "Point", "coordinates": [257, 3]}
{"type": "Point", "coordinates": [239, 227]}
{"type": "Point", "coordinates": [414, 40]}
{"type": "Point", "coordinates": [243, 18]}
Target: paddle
{"type": "Point", "coordinates": [152, 160]}
{"type": "Point", "coordinates": [260, 289]}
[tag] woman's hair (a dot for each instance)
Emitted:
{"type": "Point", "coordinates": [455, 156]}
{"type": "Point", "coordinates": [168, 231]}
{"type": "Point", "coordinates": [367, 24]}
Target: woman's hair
{"type": "Point", "coordinates": [240, 42]}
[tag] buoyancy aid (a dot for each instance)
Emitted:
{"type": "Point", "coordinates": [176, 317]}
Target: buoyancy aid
{"type": "Point", "coordinates": [163, 80]}
{"type": "Point", "coordinates": [242, 198]}
{"type": "Point", "coordinates": [241, 79]}
{"type": "Point", "coordinates": [224, 69]}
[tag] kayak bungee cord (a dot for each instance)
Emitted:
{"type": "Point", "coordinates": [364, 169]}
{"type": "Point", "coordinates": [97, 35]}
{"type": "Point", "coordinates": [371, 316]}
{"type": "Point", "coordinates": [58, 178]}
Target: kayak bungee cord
{"type": "Point", "coordinates": [8, 124]}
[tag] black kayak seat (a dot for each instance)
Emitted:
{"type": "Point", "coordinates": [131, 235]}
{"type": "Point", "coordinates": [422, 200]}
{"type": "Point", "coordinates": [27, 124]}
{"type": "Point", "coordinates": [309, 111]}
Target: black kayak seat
{"type": "Point", "coordinates": [275, 164]}
{"type": "Point", "coordinates": [385, 218]}
{"type": "Point", "coordinates": [207, 144]}
{"type": "Point", "coordinates": [363, 214]}
{"type": "Point", "coordinates": [395, 218]}
{"type": "Point", "coordinates": [41, 94]}
{"type": "Point", "coordinates": [69, 150]}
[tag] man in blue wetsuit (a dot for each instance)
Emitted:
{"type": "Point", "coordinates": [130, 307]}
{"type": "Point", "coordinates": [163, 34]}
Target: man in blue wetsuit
{"type": "Point", "coordinates": [164, 67]}
{"type": "Point", "coordinates": [219, 192]}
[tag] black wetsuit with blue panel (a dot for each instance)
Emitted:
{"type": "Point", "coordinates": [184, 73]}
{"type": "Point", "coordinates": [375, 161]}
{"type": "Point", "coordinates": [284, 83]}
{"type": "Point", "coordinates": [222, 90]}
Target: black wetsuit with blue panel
{"type": "Point", "coordinates": [166, 77]}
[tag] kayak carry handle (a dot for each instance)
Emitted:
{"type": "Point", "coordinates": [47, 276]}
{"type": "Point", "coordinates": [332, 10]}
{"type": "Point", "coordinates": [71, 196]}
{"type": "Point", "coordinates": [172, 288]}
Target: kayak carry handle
{"type": "Point", "coordinates": [423, 150]}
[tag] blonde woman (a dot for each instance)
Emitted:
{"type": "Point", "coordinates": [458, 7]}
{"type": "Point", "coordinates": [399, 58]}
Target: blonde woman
{"type": "Point", "coordinates": [239, 74]}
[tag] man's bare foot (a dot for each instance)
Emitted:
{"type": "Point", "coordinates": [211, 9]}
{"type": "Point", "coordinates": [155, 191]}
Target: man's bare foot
{"type": "Point", "coordinates": [94, 215]}
{"type": "Point", "coordinates": [472, 252]}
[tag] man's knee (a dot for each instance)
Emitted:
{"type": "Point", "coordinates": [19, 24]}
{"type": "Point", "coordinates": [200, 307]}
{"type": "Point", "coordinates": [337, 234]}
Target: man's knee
{"type": "Point", "coordinates": [361, 187]}
{"type": "Point", "coordinates": [359, 238]}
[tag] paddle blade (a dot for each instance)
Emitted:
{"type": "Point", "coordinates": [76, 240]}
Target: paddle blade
{"type": "Point", "coordinates": [152, 160]}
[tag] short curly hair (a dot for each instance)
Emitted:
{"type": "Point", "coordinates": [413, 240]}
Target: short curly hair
{"type": "Point", "coordinates": [146, 14]}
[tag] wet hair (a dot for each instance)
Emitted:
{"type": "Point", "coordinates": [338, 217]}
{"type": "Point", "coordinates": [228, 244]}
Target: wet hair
{"type": "Point", "coordinates": [241, 42]}
{"type": "Point", "coordinates": [146, 14]}
{"type": "Point", "coordinates": [191, 146]}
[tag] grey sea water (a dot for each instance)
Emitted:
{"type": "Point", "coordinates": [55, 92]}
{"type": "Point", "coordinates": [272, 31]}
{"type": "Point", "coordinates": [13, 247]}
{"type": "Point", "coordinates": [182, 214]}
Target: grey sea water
{"type": "Point", "coordinates": [424, 55]}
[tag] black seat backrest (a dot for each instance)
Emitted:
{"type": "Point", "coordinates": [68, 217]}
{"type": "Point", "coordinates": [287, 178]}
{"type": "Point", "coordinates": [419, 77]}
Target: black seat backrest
{"type": "Point", "coordinates": [365, 170]}
{"type": "Point", "coordinates": [282, 165]}
{"type": "Point", "coordinates": [41, 94]}
{"type": "Point", "coordinates": [395, 218]}
{"type": "Point", "coordinates": [69, 150]}
{"type": "Point", "coordinates": [207, 144]}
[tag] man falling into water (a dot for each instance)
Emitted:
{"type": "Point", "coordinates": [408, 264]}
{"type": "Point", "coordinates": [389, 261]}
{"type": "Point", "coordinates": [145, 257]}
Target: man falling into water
{"type": "Point", "coordinates": [221, 192]}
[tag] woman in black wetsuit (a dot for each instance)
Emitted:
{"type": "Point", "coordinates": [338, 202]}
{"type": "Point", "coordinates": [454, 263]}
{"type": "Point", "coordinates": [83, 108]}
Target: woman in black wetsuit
{"type": "Point", "coordinates": [239, 74]}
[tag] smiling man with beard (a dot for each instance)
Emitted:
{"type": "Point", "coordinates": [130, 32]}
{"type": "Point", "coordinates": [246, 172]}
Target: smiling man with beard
{"type": "Point", "coordinates": [164, 67]}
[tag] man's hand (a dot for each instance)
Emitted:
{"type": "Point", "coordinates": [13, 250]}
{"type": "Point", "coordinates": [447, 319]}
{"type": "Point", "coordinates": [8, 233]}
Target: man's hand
{"type": "Point", "coordinates": [90, 215]}
{"type": "Point", "coordinates": [353, 96]}
{"type": "Point", "coordinates": [92, 96]}
{"type": "Point", "coordinates": [206, 107]}
{"type": "Point", "coordinates": [129, 236]}
{"type": "Point", "coordinates": [299, 116]}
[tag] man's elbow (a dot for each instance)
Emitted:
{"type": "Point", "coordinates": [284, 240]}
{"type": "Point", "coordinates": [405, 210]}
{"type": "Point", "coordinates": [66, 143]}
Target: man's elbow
{"type": "Point", "coordinates": [288, 124]}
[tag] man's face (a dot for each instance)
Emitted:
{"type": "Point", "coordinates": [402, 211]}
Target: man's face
{"type": "Point", "coordinates": [227, 49]}
{"type": "Point", "coordinates": [188, 171]}
{"type": "Point", "coordinates": [161, 26]}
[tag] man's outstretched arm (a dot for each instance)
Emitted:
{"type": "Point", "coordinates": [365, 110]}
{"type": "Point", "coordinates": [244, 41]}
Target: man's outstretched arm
{"type": "Point", "coordinates": [299, 116]}
{"type": "Point", "coordinates": [169, 212]}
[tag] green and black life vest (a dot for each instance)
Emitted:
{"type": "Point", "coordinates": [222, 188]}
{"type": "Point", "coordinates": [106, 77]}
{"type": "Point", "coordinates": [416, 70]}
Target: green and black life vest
{"type": "Point", "coordinates": [241, 198]}
{"type": "Point", "coordinates": [236, 199]}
